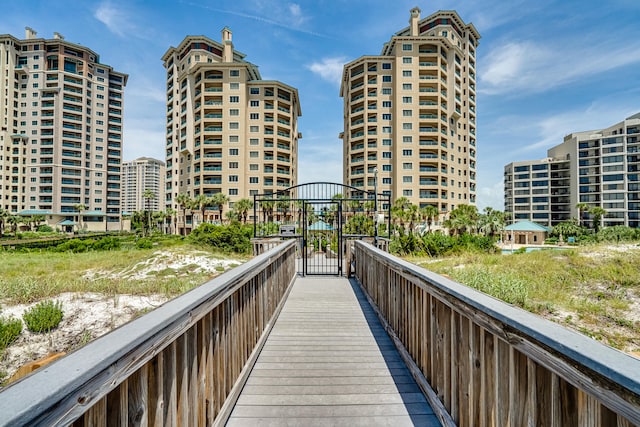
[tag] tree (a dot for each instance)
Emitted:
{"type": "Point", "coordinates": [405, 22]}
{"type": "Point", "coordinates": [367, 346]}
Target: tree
{"type": "Point", "coordinates": [170, 215]}
{"type": "Point", "coordinates": [148, 195]}
{"type": "Point", "coordinates": [491, 221]}
{"type": "Point", "coordinates": [398, 210]}
{"type": "Point", "coordinates": [462, 219]}
{"type": "Point", "coordinates": [242, 206]}
{"type": "Point", "coordinates": [283, 204]}
{"type": "Point", "coordinates": [202, 202]}
{"type": "Point", "coordinates": [37, 220]}
{"type": "Point", "coordinates": [80, 207]}
{"type": "Point", "coordinates": [14, 221]}
{"type": "Point", "coordinates": [597, 213]}
{"type": "Point", "coordinates": [267, 209]}
{"type": "Point", "coordinates": [566, 229]}
{"type": "Point", "coordinates": [429, 213]}
{"type": "Point", "coordinates": [582, 208]}
{"type": "Point", "coordinates": [4, 215]}
{"type": "Point", "coordinates": [185, 202]}
{"type": "Point", "coordinates": [219, 200]}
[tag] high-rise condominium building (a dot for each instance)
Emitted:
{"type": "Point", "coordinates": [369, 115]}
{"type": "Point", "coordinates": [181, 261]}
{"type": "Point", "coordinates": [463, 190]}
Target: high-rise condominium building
{"type": "Point", "coordinates": [60, 132]}
{"type": "Point", "coordinates": [598, 168]}
{"type": "Point", "coordinates": [228, 130]}
{"type": "Point", "coordinates": [410, 114]}
{"type": "Point", "coordinates": [139, 176]}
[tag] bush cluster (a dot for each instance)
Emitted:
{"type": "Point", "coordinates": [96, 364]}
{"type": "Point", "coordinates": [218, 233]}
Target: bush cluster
{"type": "Point", "coordinates": [438, 244]}
{"type": "Point", "coordinates": [10, 328]}
{"type": "Point", "coordinates": [225, 238]}
{"type": "Point", "coordinates": [44, 316]}
{"type": "Point", "coordinates": [84, 245]}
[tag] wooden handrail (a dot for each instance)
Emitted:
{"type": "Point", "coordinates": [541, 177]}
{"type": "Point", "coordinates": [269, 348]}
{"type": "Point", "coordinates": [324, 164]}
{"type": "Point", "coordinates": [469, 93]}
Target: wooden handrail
{"type": "Point", "coordinates": [174, 365]}
{"type": "Point", "coordinates": [490, 363]}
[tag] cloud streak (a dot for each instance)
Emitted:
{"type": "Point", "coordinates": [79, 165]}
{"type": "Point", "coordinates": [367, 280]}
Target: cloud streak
{"type": "Point", "coordinates": [524, 67]}
{"type": "Point", "coordinates": [329, 69]}
{"type": "Point", "coordinates": [115, 19]}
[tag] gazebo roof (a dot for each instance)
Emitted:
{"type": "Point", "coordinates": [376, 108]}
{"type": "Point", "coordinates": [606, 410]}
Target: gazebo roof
{"type": "Point", "coordinates": [526, 226]}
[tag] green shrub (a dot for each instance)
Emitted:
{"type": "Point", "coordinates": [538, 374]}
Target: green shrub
{"type": "Point", "coordinates": [144, 243]}
{"type": "Point", "coordinates": [10, 328]}
{"type": "Point", "coordinates": [74, 245]}
{"type": "Point", "coordinates": [44, 316]}
{"type": "Point", "coordinates": [234, 238]}
{"type": "Point", "coordinates": [44, 228]}
{"type": "Point", "coordinates": [106, 244]}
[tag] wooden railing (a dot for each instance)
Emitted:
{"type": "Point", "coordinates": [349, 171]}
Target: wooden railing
{"type": "Point", "coordinates": [176, 365]}
{"type": "Point", "coordinates": [491, 364]}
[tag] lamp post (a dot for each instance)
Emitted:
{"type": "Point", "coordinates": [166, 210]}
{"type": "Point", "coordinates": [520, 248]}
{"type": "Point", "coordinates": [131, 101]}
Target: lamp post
{"type": "Point", "coordinates": [375, 207]}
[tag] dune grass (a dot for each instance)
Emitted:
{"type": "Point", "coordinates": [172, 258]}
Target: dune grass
{"type": "Point", "coordinates": [592, 289]}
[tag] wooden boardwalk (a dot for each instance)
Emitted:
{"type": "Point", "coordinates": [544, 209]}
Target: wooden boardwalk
{"type": "Point", "coordinates": [329, 362]}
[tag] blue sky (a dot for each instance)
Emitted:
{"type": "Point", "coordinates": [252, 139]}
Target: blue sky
{"type": "Point", "coordinates": [545, 68]}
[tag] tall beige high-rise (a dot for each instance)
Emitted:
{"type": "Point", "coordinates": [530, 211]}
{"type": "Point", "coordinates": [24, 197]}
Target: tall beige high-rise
{"type": "Point", "coordinates": [410, 114]}
{"type": "Point", "coordinates": [60, 132]}
{"type": "Point", "coordinates": [138, 176]}
{"type": "Point", "coordinates": [228, 131]}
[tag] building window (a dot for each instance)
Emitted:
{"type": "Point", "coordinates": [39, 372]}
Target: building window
{"type": "Point", "coordinates": [407, 166]}
{"type": "Point", "coordinates": [233, 178]}
{"type": "Point", "coordinates": [386, 154]}
{"type": "Point", "coordinates": [386, 129]}
{"type": "Point", "coordinates": [407, 179]}
{"type": "Point", "coordinates": [406, 86]}
{"type": "Point", "coordinates": [407, 193]}
{"type": "Point", "coordinates": [234, 73]}
{"type": "Point", "coordinates": [254, 141]}
{"type": "Point", "coordinates": [254, 103]}
{"type": "Point", "coordinates": [386, 79]}
{"type": "Point", "coordinates": [253, 154]}
{"type": "Point", "coordinates": [386, 65]}
{"type": "Point", "coordinates": [406, 73]}
{"type": "Point", "coordinates": [406, 60]}
{"type": "Point", "coordinates": [234, 99]}
{"type": "Point", "coordinates": [253, 167]}
{"type": "Point", "coordinates": [407, 152]}
{"type": "Point", "coordinates": [254, 128]}
{"type": "Point", "coordinates": [254, 91]}
{"type": "Point", "coordinates": [234, 112]}
{"type": "Point", "coordinates": [386, 117]}
{"type": "Point", "coordinates": [386, 142]}
{"type": "Point", "coordinates": [386, 168]}
{"type": "Point", "coordinates": [233, 191]}
{"type": "Point", "coordinates": [407, 100]}
{"type": "Point", "coordinates": [254, 116]}
{"type": "Point", "coordinates": [234, 125]}
{"type": "Point", "coordinates": [407, 138]}
{"type": "Point", "coordinates": [407, 113]}
{"type": "Point", "coordinates": [386, 181]}
{"type": "Point", "coordinates": [407, 47]}
{"type": "Point", "coordinates": [386, 104]}
{"type": "Point", "coordinates": [234, 86]}
{"type": "Point", "coordinates": [253, 180]}
{"type": "Point", "coordinates": [233, 138]}
{"type": "Point", "coordinates": [233, 165]}
{"type": "Point", "coordinates": [407, 126]}
{"type": "Point", "coordinates": [386, 91]}
{"type": "Point", "coordinates": [233, 151]}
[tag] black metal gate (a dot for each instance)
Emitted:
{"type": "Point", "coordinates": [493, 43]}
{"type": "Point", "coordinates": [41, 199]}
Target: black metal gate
{"type": "Point", "coordinates": [322, 216]}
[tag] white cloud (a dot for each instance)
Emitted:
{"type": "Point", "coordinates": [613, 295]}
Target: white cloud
{"type": "Point", "coordinates": [330, 69]}
{"type": "Point", "coordinates": [491, 196]}
{"type": "Point", "coordinates": [297, 16]}
{"type": "Point", "coordinates": [526, 67]}
{"type": "Point", "coordinates": [116, 19]}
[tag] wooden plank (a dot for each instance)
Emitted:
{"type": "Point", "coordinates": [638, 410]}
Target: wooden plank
{"type": "Point", "coordinates": [138, 398]}
{"type": "Point", "coordinates": [117, 405]}
{"type": "Point", "coordinates": [170, 385]}
{"type": "Point", "coordinates": [156, 391]}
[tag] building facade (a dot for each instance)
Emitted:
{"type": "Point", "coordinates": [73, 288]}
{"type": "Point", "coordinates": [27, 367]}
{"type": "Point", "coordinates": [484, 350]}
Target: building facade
{"type": "Point", "coordinates": [228, 131]}
{"type": "Point", "coordinates": [410, 114]}
{"type": "Point", "coordinates": [599, 168]}
{"type": "Point", "coordinates": [60, 132]}
{"type": "Point", "coordinates": [138, 176]}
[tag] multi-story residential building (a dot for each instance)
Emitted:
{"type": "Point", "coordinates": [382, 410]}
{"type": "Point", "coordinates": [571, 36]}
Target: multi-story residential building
{"type": "Point", "coordinates": [228, 130]}
{"type": "Point", "coordinates": [598, 168]}
{"type": "Point", "coordinates": [138, 176]}
{"type": "Point", "coordinates": [60, 132]}
{"type": "Point", "coordinates": [410, 114]}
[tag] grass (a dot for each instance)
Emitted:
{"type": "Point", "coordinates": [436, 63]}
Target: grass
{"type": "Point", "coordinates": [33, 276]}
{"type": "Point", "coordinates": [588, 288]}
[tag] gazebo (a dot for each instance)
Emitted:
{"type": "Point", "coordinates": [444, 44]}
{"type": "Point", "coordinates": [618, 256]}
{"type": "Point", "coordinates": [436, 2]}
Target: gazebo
{"type": "Point", "coordinates": [525, 233]}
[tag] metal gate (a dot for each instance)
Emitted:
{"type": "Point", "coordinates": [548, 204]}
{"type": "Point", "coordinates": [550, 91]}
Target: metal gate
{"type": "Point", "coordinates": [323, 217]}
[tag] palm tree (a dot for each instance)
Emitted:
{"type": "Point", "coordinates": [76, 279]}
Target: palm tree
{"type": "Point", "coordinates": [462, 219]}
{"type": "Point", "coordinates": [202, 202]}
{"type": "Point", "coordinates": [566, 229]}
{"type": "Point", "coordinates": [4, 215]}
{"type": "Point", "coordinates": [14, 220]}
{"type": "Point", "coordinates": [148, 195]}
{"type": "Point", "coordinates": [80, 207]}
{"type": "Point", "coordinates": [184, 201]}
{"type": "Point", "coordinates": [491, 221]}
{"type": "Point", "coordinates": [429, 213]}
{"type": "Point", "coordinates": [37, 219]}
{"type": "Point", "coordinates": [267, 209]}
{"type": "Point", "coordinates": [242, 206]}
{"type": "Point", "coordinates": [597, 213]}
{"type": "Point", "coordinates": [219, 199]}
{"type": "Point", "coordinates": [170, 215]}
{"type": "Point", "coordinates": [582, 208]}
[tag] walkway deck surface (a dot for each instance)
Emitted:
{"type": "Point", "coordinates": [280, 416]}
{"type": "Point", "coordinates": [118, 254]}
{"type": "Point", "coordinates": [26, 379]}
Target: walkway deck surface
{"type": "Point", "coordinates": [329, 362]}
